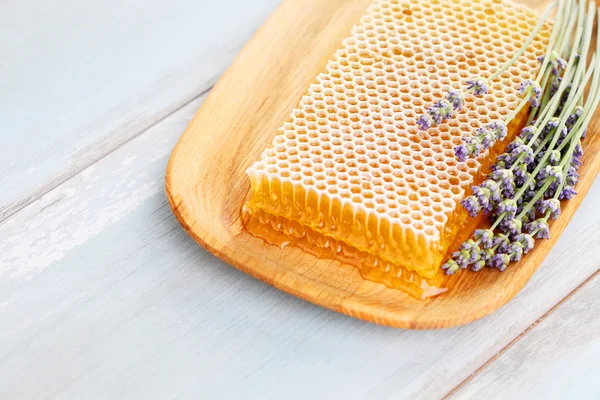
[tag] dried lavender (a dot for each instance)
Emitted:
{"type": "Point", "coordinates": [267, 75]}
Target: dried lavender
{"type": "Point", "coordinates": [539, 168]}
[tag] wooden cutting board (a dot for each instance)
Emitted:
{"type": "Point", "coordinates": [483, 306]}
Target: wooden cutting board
{"type": "Point", "coordinates": [207, 185]}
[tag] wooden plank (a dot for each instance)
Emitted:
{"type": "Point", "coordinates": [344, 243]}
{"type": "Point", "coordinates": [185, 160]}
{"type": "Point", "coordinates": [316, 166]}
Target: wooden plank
{"type": "Point", "coordinates": [558, 359]}
{"type": "Point", "coordinates": [102, 294]}
{"type": "Point", "coordinates": [79, 79]}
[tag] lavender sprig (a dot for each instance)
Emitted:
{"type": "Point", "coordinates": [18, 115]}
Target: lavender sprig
{"type": "Point", "coordinates": [539, 168]}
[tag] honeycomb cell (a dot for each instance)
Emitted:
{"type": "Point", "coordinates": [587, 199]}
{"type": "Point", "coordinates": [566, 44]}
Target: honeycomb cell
{"type": "Point", "coordinates": [351, 167]}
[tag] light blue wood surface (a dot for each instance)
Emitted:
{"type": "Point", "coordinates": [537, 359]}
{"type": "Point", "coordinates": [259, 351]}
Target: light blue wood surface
{"type": "Point", "coordinates": [102, 294]}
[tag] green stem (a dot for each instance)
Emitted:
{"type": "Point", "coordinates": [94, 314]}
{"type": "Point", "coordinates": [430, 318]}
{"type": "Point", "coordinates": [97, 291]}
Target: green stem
{"type": "Point", "coordinates": [525, 45]}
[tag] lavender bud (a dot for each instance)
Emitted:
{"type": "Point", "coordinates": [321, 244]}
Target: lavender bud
{"type": "Point", "coordinates": [484, 137]}
{"type": "Point", "coordinates": [532, 89]}
{"type": "Point", "coordinates": [478, 86]}
{"type": "Point", "coordinates": [567, 193]}
{"type": "Point", "coordinates": [424, 122]}
{"type": "Point", "coordinates": [551, 172]}
{"type": "Point", "coordinates": [500, 261]}
{"type": "Point", "coordinates": [498, 129]}
{"type": "Point", "coordinates": [487, 255]}
{"type": "Point", "coordinates": [483, 195]}
{"type": "Point", "coordinates": [461, 152]}
{"type": "Point", "coordinates": [485, 236]}
{"type": "Point", "coordinates": [552, 124]}
{"type": "Point", "coordinates": [501, 241]}
{"type": "Point", "coordinates": [575, 162]}
{"type": "Point", "coordinates": [538, 228]}
{"type": "Point", "coordinates": [515, 251]}
{"type": "Point", "coordinates": [478, 265]}
{"type": "Point", "coordinates": [527, 133]}
{"type": "Point", "coordinates": [456, 99]}
{"type": "Point", "coordinates": [552, 205]}
{"type": "Point", "coordinates": [572, 176]}
{"type": "Point", "coordinates": [526, 241]}
{"type": "Point", "coordinates": [572, 119]}
{"type": "Point", "coordinates": [507, 207]}
{"type": "Point", "coordinates": [515, 144]}
{"type": "Point", "coordinates": [451, 267]}
{"type": "Point", "coordinates": [578, 151]}
{"type": "Point", "coordinates": [554, 158]}
{"type": "Point", "coordinates": [521, 174]}
{"type": "Point", "coordinates": [503, 176]}
{"type": "Point", "coordinates": [513, 226]}
{"type": "Point", "coordinates": [471, 204]}
{"type": "Point", "coordinates": [494, 189]}
{"type": "Point", "coordinates": [436, 114]}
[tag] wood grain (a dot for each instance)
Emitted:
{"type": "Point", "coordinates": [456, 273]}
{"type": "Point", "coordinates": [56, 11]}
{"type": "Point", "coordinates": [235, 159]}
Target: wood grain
{"type": "Point", "coordinates": [103, 295]}
{"type": "Point", "coordinates": [231, 130]}
{"type": "Point", "coordinates": [558, 356]}
{"type": "Point", "coordinates": [79, 79]}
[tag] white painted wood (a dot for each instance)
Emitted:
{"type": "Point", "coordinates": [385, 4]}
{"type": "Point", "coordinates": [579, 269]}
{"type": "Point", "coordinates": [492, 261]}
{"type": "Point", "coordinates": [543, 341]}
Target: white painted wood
{"type": "Point", "coordinates": [558, 359]}
{"type": "Point", "coordinates": [80, 78]}
{"type": "Point", "coordinates": [102, 295]}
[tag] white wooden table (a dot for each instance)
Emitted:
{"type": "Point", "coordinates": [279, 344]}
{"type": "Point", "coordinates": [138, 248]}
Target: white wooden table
{"type": "Point", "coordinates": [102, 294]}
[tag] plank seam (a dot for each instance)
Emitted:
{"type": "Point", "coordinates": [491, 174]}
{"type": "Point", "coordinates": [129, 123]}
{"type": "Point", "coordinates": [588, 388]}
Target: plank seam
{"type": "Point", "coordinates": [18, 205]}
{"type": "Point", "coordinates": [521, 335]}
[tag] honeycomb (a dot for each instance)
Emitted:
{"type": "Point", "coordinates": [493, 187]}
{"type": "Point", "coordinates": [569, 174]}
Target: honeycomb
{"type": "Point", "coordinates": [351, 172]}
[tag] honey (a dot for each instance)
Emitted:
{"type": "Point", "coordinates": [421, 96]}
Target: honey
{"type": "Point", "coordinates": [349, 174]}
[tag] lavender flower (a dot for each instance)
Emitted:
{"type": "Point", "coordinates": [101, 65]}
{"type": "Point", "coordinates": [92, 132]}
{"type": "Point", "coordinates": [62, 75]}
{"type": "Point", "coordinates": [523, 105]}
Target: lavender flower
{"type": "Point", "coordinates": [424, 122]}
{"type": "Point", "coordinates": [523, 150]}
{"type": "Point", "coordinates": [578, 151]}
{"type": "Point", "coordinates": [500, 261]}
{"type": "Point", "coordinates": [567, 193]}
{"type": "Point", "coordinates": [451, 267]}
{"type": "Point", "coordinates": [513, 226]}
{"type": "Point", "coordinates": [550, 173]}
{"type": "Point", "coordinates": [532, 89]}
{"type": "Point", "coordinates": [554, 157]}
{"type": "Point", "coordinates": [487, 255]}
{"type": "Point", "coordinates": [456, 99]}
{"type": "Point", "coordinates": [471, 204]}
{"type": "Point", "coordinates": [552, 205]}
{"type": "Point", "coordinates": [538, 228]}
{"type": "Point", "coordinates": [521, 174]}
{"type": "Point", "coordinates": [483, 196]}
{"type": "Point", "coordinates": [478, 86]}
{"type": "Point", "coordinates": [461, 152]}
{"type": "Point", "coordinates": [505, 178]}
{"type": "Point", "coordinates": [501, 241]}
{"type": "Point", "coordinates": [526, 241]}
{"type": "Point", "coordinates": [441, 111]}
{"type": "Point", "coordinates": [527, 133]}
{"type": "Point", "coordinates": [572, 176]}
{"type": "Point", "coordinates": [498, 128]}
{"type": "Point", "coordinates": [515, 251]}
{"type": "Point", "coordinates": [572, 119]}
{"type": "Point", "coordinates": [485, 236]}
{"type": "Point", "coordinates": [471, 147]}
{"type": "Point", "coordinates": [508, 207]}
{"type": "Point", "coordinates": [478, 265]}
{"type": "Point", "coordinates": [469, 253]}
{"type": "Point", "coordinates": [555, 62]}
{"type": "Point", "coordinates": [494, 188]}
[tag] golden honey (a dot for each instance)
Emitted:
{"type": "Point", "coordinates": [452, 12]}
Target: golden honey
{"type": "Point", "coordinates": [351, 173]}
